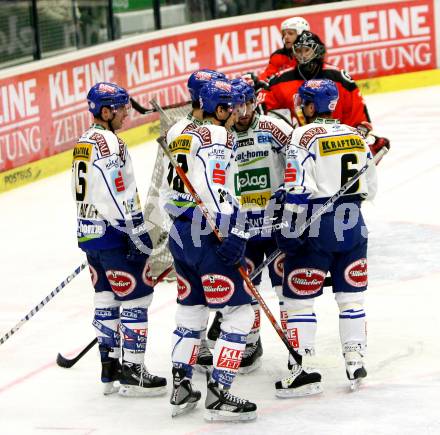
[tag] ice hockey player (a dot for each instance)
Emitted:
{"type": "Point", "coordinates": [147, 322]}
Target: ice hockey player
{"type": "Point", "coordinates": [261, 142]}
{"type": "Point", "coordinates": [284, 58]}
{"type": "Point", "coordinates": [194, 119]}
{"type": "Point", "coordinates": [111, 232]}
{"type": "Point", "coordinates": [206, 276]}
{"type": "Point", "coordinates": [309, 52]}
{"type": "Point", "coordinates": [321, 157]}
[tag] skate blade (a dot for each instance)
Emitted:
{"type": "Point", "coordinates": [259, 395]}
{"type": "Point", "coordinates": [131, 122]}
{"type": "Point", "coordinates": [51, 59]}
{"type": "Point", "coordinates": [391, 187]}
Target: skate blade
{"type": "Point", "coordinates": [355, 384]}
{"type": "Point", "coordinates": [136, 391]}
{"type": "Point", "coordinates": [304, 390]}
{"type": "Point", "coordinates": [218, 415]}
{"type": "Point", "coordinates": [251, 368]}
{"type": "Point", "coordinates": [110, 388]}
{"type": "Point", "coordinates": [183, 409]}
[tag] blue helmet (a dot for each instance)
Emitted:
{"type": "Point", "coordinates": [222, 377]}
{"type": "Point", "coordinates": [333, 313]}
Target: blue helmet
{"type": "Point", "coordinates": [322, 93]}
{"type": "Point", "coordinates": [199, 78]}
{"type": "Point", "coordinates": [105, 94]}
{"type": "Point", "coordinates": [219, 93]}
{"type": "Point", "coordinates": [245, 88]}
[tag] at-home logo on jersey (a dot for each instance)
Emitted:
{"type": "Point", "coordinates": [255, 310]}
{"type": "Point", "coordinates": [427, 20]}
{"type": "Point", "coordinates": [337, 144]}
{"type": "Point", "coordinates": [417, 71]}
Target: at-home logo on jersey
{"type": "Point", "coordinates": [229, 358]}
{"type": "Point", "coordinates": [252, 180]}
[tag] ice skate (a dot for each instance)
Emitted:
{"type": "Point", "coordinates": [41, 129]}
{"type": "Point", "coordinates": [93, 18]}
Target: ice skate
{"type": "Point", "coordinates": [137, 382]}
{"type": "Point", "coordinates": [110, 375]}
{"type": "Point", "coordinates": [204, 358]}
{"type": "Point", "coordinates": [251, 358]}
{"type": "Point", "coordinates": [214, 330]}
{"type": "Point", "coordinates": [301, 382]}
{"type": "Point", "coordinates": [354, 367]}
{"type": "Point", "coordinates": [183, 398]}
{"type": "Point", "coordinates": [221, 405]}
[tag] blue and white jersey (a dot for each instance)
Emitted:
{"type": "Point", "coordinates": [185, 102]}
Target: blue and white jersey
{"type": "Point", "coordinates": [206, 154]}
{"type": "Point", "coordinates": [104, 188]}
{"type": "Point", "coordinates": [261, 160]}
{"type": "Point", "coordinates": [323, 156]}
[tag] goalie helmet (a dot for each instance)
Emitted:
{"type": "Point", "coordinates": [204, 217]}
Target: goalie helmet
{"type": "Point", "coordinates": [313, 43]}
{"type": "Point", "coordinates": [105, 94]}
{"type": "Point", "coordinates": [220, 93]}
{"type": "Point", "coordinates": [322, 93]}
{"type": "Point", "coordinates": [299, 24]}
{"type": "Point", "coordinates": [199, 78]}
{"type": "Point", "coordinates": [241, 86]}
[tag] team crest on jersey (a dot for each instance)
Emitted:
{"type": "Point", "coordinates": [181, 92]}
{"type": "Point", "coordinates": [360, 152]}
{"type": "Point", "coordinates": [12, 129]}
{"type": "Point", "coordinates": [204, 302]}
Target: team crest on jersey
{"type": "Point", "coordinates": [82, 151]}
{"type": "Point", "coordinates": [183, 287]}
{"type": "Point", "coordinates": [147, 278]}
{"type": "Point", "coordinates": [356, 273]}
{"type": "Point", "coordinates": [181, 145]}
{"type": "Point", "coordinates": [340, 144]}
{"type": "Point", "coordinates": [122, 283]}
{"type": "Point", "coordinates": [307, 137]}
{"type": "Point", "coordinates": [218, 289]}
{"type": "Point", "coordinates": [305, 282]}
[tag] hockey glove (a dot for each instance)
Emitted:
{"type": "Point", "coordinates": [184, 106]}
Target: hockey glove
{"type": "Point", "coordinates": [139, 242]}
{"type": "Point", "coordinates": [251, 79]}
{"type": "Point", "coordinates": [374, 142]}
{"type": "Point", "coordinates": [232, 248]}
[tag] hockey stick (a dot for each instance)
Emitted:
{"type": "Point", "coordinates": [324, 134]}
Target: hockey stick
{"type": "Point", "coordinates": [67, 363]}
{"type": "Point", "coordinates": [38, 307]}
{"type": "Point", "coordinates": [323, 208]}
{"type": "Point", "coordinates": [144, 111]}
{"type": "Point", "coordinates": [242, 271]}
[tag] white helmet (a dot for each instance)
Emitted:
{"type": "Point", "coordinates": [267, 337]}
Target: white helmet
{"type": "Point", "coordinates": [299, 24]}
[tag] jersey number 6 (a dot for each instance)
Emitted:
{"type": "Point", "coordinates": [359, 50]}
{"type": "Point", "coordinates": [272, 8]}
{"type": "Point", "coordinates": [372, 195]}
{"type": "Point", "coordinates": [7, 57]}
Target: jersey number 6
{"type": "Point", "coordinates": [347, 172]}
{"type": "Point", "coordinates": [80, 181]}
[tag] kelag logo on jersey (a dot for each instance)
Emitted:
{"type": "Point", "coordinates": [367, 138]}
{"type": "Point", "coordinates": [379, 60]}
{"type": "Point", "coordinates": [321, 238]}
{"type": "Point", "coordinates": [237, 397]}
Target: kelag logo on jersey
{"type": "Point", "coordinates": [251, 180]}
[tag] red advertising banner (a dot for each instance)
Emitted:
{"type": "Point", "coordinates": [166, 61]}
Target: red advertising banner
{"type": "Point", "coordinates": [43, 112]}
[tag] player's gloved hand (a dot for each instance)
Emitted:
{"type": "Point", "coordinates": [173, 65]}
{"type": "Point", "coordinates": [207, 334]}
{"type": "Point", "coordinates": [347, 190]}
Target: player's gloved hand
{"type": "Point", "coordinates": [251, 79]}
{"type": "Point", "coordinates": [232, 248]}
{"type": "Point", "coordinates": [139, 242]}
{"type": "Point", "coordinates": [364, 128]}
{"type": "Point", "coordinates": [378, 144]}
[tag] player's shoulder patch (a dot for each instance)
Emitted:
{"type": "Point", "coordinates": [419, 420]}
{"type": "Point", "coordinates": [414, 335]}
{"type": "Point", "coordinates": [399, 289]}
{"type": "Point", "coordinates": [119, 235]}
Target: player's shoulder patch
{"type": "Point", "coordinates": [339, 76]}
{"type": "Point", "coordinates": [266, 124]}
{"type": "Point", "coordinates": [204, 134]}
{"type": "Point", "coordinates": [102, 144]}
{"type": "Point", "coordinates": [309, 134]}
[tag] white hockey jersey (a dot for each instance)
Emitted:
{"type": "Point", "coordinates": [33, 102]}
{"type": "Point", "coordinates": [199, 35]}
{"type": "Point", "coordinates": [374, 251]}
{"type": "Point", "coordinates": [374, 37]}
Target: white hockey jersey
{"type": "Point", "coordinates": [206, 154]}
{"type": "Point", "coordinates": [104, 188]}
{"type": "Point", "coordinates": [323, 156]}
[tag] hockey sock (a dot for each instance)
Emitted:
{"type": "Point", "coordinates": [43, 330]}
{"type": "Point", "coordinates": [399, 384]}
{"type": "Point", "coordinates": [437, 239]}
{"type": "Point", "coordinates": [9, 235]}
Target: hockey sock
{"type": "Point", "coordinates": [134, 327]}
{"type": "Point", "coordinates": [186, 345]}
{"type": "Point", "coordinates": [106, 321]}
{"type": "Point", "coordinates": [254, 333]}
{"type": "Point", "coordinates": [228, 353]}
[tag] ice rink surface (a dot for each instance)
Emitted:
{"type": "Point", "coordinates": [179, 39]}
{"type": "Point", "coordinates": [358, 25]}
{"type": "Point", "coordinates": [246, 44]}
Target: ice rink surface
{"type": "Point", "coordinates": [401, 394]}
